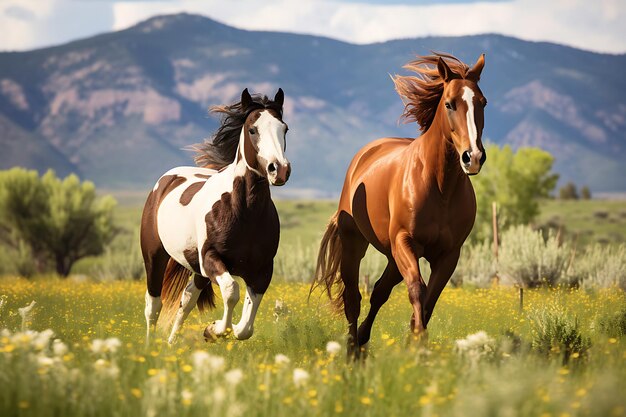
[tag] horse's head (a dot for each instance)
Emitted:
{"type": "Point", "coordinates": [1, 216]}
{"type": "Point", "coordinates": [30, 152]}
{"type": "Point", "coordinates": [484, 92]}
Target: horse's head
{"type": "Point", "coordinates": [463, 104]}
{"type": "Point", "coordinates": [264, 138]}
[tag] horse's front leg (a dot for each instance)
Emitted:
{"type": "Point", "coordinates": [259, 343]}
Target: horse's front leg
{"type": "Point", "coordinates": [213, 266]}
{"type": "Point", "coordinates": [407, 255]}
{"type": "Point", "coordinates": [256, 287]}
{"type": "Point", "coordinates": [441, 271]}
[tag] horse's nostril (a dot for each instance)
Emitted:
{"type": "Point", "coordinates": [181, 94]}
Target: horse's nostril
{"type": "Point", "coordinates": [271, 168]}
{"type": "Point", "coordinates": [466, 157]}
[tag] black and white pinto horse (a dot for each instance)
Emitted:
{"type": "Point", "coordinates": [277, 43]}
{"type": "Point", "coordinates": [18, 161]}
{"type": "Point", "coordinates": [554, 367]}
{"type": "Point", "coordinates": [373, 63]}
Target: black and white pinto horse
{"type": "Point", "coordinates": [217, 220]}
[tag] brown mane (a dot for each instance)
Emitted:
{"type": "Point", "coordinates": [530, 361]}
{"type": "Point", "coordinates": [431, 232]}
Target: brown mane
{"type": "Point", "coordinates": [421, 93]}
{"type": "Point", "coordinates": [221, 150]}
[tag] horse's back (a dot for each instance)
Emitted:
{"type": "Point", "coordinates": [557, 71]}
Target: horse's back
{"type": "Point", "coordinates": [373, 164]}
{"type": "Point", "coordinates": [365, 192]}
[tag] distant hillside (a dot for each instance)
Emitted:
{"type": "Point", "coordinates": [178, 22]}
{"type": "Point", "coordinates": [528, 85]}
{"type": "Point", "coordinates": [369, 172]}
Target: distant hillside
{"type": "Point", "coordinates": [117, 108]}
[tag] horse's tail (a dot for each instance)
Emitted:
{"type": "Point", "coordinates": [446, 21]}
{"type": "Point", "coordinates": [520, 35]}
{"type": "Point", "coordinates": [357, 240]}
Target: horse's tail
{"type": "Point", "coordinates": [328, 263]}
{"type": "Point", "coordinates": [175, 280]}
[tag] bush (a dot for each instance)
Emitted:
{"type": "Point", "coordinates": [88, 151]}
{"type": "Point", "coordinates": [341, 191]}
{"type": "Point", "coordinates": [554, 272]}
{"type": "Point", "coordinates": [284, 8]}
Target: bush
{"type": "Point", "coordinates": [476, 266]}
{"type": "Point", "coordinates": [554, 333]}
{"type": "Point", "coordinates": [599, 267]}
{"type": "Point", "coordinates": [61, 221]}
{"type": "Point", "coordinates": [529, 260]}
{"type": "Point", "coordinates": [296, 263]}
{"type": "Point", "coordinates": [613, 325]}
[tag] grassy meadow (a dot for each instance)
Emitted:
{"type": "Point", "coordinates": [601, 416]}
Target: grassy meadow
{"type": "Point", "coordinates": [96, 363]}
{"type": "Point", "coordinates": [80, 350]}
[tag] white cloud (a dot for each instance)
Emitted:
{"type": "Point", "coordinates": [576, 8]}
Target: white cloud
{"type": "Point", "coordinates": [571, 22]}
{"type": "Point", "coordinates": [28, 24]}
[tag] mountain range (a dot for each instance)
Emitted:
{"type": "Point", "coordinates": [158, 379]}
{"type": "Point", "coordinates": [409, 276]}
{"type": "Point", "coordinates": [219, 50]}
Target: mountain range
{"type": "Point", "coordinates": [119, 108]}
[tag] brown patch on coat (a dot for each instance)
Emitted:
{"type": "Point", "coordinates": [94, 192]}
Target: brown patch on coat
{"type": "Point", "coordinates": [190, 192]}
{"type": "Point", "coordinates": [244, 231]}
{"type": "Point", "coordinates": [155, 256]}
{"type": "Point", "coordinates": [202, 176]}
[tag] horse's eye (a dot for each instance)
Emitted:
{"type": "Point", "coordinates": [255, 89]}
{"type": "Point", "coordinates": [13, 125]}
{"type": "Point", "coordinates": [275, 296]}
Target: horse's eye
{"type": "Point", "coordinates": [448, 105]}
{"type": "Point", "coordinates": [251, 131]}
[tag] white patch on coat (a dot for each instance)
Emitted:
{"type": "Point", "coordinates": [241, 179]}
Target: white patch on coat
{"type": "Point", "coordinates": [468, 96]}
{"type": "Point", "coordinates": [271, 133]}
{"type": "Point", "coordinates": [245, 327]}
{"type": "Point", "coordinates": [183, 228]}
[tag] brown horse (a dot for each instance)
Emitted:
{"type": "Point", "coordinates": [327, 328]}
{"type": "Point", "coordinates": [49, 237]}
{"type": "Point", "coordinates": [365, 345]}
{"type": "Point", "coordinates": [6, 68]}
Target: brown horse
{"type": "Point", "coordinates": [409, 198]}
{"type": "Point", "coordinates": [218, 220]}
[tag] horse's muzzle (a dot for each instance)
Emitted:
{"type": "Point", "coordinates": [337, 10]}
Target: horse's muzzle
{"type": "Point", "coordinates": [278, 173]}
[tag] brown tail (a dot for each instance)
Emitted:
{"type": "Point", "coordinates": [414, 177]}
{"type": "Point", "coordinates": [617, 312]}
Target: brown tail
{"type": "Point", "coordinates": [175, 280]}
{"type": "Point", "coordinates": [328, 263]}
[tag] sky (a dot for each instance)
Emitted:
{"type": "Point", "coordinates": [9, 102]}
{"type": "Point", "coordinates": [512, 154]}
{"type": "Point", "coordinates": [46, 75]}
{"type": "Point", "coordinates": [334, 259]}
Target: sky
{"type": "Point", "coordinates": [595, 25]}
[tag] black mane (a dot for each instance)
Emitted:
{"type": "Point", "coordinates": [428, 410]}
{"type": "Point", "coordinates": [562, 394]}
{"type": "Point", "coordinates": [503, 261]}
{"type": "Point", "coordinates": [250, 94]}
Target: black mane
{"type": "Point", "coordinates": [221, 150]}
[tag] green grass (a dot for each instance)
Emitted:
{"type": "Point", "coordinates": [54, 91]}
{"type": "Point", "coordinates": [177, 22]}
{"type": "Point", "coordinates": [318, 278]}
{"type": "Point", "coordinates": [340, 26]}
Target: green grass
{"type": "Point", "coordinates": [506, 375]}
{"type": "Point", "coordinates": [586, 221]}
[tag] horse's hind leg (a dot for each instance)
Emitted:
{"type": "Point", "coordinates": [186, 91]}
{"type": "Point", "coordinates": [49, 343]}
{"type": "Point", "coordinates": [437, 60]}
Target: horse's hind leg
{"type": "Point", "coordinates": [353, 248]}
{"type": "Point", "coordinates": [382, 289]}
{"type": "Point", "coordinates": [188, 301]}
{"type": "Point", "coordinates": [155, 263]}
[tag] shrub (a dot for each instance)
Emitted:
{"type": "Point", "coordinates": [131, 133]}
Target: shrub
{"type": "Point", "coordinates": [296, 263]}
{"type": "Point", "coordinates": [599, 266]}
{"type": "Point", "coordinates": [529, 260]}
{"type": "Point", "coordinates": [476, 266]}
{"type": "Point", "coordinates": [613, 325]}
{"type": "Point", "coordinates": [554, 333]}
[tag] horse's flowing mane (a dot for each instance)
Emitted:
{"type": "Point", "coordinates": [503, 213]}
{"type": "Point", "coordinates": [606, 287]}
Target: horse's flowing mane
{"type": "Point", "coordinates": [421, 93]}
{"type": "Point", "coordinates": [221, 151]}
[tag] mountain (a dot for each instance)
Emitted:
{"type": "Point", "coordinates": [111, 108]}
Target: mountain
{"type": "Point", "coordinates": [118, 108]}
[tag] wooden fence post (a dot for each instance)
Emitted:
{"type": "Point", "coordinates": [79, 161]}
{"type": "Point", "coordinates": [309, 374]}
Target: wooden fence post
{"type": "Point", "coordinates": [494, 222]}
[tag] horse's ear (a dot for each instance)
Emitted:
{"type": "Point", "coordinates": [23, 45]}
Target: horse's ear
{"type": "Point", "coordinates": [474, 73]}
{"type": "Point", "coordinates": [280, 97]}
{"type": "Point", "coordinates": [246, 99]}
{"type": "Point", "coordinates": [444, 70]}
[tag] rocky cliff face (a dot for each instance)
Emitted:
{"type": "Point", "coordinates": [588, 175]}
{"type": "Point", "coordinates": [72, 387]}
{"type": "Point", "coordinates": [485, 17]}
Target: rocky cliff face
{"type": "Point", "coordinates": [118, 108]}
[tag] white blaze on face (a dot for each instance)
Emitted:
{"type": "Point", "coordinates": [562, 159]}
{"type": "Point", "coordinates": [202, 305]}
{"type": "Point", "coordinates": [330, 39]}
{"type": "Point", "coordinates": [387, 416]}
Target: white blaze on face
{"type": "Point", "coordinates": [468, 96]}
{"type": "Point", "coordinates": [271, 133]}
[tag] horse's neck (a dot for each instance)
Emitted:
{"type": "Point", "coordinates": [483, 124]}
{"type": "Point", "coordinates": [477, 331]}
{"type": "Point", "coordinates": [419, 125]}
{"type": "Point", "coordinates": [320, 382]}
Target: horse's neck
{"type": "Point", "coordinates": [250, 189]}
{"type": "Point", "coordinates": [440, 159]}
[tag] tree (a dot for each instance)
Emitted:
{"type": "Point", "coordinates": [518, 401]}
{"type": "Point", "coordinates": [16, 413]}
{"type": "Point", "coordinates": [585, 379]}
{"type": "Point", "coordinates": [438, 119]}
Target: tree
{"type": "Point", "coordinates": [61, 221]}
{"type": "Point", "coordinates": [585, 193]}
{"type": "Point", "coordinates": [568, 192]}
{"type": "Point", "coordinates": [515, 181]}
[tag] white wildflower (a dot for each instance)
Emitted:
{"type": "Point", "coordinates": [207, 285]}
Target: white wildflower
{"type": "Point", "coordinates": [186, 396]}
{"type": "Point", "coordinates": [234, 376]}
{"type": "Point", "coordinates": [106, 368]}
{"type": "Point", "coordinates": [476, 345]}
{"type": "Point", "coordinates": [112, 344]}
{"type": "Point", "coordinates": [45, 361]}
{"type": "Point", "coordinates": [42, 339]}
{"type": "Point", "coordinates": [26, 313]}
{"type": "Point", "coordinates": [219, 395]}
{"type": "Point", "coordinates": [333, 347]}
{"type": "Point", "coordinates": [300, 377]}
{"type": "Point", "coordinates": [97, 346]}
{"type": "Point", "coordinates": [203, 360]}
{"type": "Point", "coordinates": [59, 348]}
{"type": "Point", "coordinates": [281, 359]}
